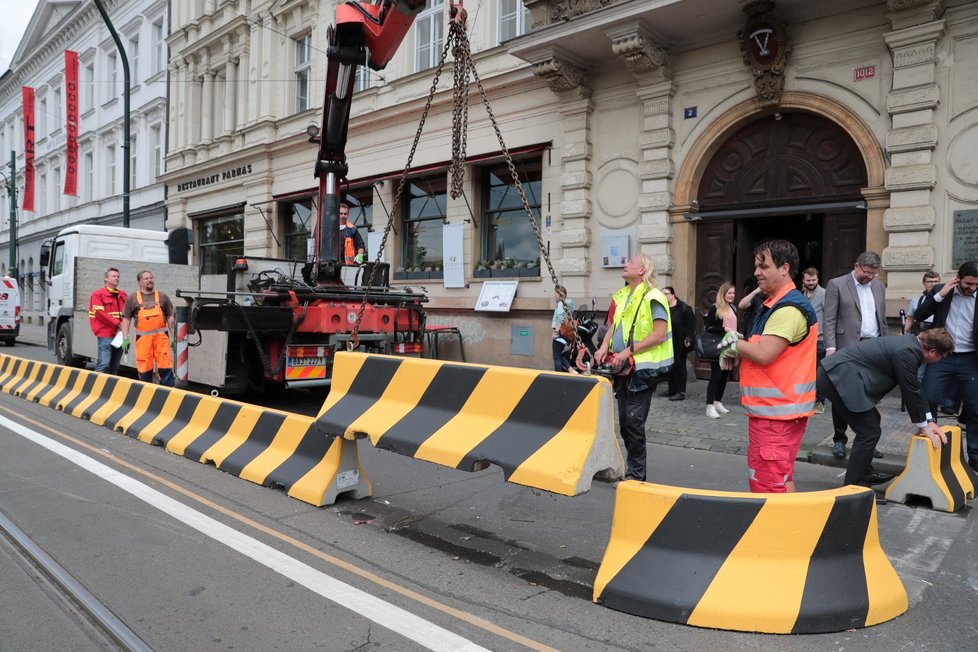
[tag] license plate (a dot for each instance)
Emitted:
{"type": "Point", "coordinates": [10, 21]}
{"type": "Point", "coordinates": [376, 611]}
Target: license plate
{"type": "Point", "coordinates": [307, 362]}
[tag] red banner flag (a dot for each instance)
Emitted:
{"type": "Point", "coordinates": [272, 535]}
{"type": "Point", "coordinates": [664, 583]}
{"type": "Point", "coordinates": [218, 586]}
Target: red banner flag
{"type": "Point", "coordinates": [28, 94]}
{"type": "Point", "coordinates": [71, 125]}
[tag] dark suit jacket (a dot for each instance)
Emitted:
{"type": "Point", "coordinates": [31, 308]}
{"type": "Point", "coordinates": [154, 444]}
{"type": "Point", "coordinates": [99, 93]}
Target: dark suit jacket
{"type": "Point", "coordinates": [866, 372]}
{"type": "Point", "coordinates": [929, 307]}
{"type": "Point", "coordinates": [683, 325]}
{"type": "Point", "coordinates": [843, 317]}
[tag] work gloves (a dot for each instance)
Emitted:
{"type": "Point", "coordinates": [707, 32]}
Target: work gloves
{"type": "Point", "coordinates": [358, 259]}
{"type": "Point", "coordinates": [728, 350]}
{"type": "Point", "coordinates": [125, 345]}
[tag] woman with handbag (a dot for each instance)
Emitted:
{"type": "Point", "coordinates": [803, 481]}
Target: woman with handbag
{"type": "Point", "coordinates": [563, 315]}
{"type": "Point", "coordinates": [721, 319]}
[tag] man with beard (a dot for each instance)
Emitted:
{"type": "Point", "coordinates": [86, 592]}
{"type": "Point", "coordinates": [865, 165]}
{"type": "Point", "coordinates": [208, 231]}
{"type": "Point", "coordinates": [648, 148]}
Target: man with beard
{"type": "Point", "coordinates": [152, 312]}
{"type": "Point", "coordinates": [815, 294]}
{"type": "Point", "coordinates": [953, 306]}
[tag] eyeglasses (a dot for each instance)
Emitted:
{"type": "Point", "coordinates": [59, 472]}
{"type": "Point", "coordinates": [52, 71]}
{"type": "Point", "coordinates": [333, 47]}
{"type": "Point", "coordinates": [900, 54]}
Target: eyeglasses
{"type": "Point", "coordinates": [868, 271]}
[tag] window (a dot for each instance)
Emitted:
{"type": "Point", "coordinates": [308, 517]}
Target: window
{"type": "Point", "coordinates": [56, 110]}
{"type": "Point", "coordinates": [112, 75]}
{"type": "Point", "coordinates": [58, 259]}
{"type": "Point", "coordinates": [429, 34]}
{"type": "Point", "coordinates": [40, 206]}
{"type": "Point", "coordinates": [362, 81]}
{"type": "Point", "coordinates": [361, 201]}
{"type": "Point", "coordinates": [110, 169]}
{"type": "Point", "coordinates": [42, 118]}
{"type": "Point", "coordinates": [133, 54]}
{"type": "Point", "coordinates": [90, 87]}
{"type": "Point", "coordinates": [156, 139]}
{"type": "Point", "coordinates": [88, 190]}
{"type": "Point", "coordinates": [303, 47]}
{"type": "Point", "coordinates": [159, 47]}
{"type": "Point", "coordinates": [298, 228]}
{"type": "Point", "coordinates": [512, 20]}
{"type": "Point", "coordinates": [133, 158]}
{"type": "Point", "coordinates": [220, 237]}
{"type": "Point", "coordinates": [508, 240]}
{"type": "Point", "coordinates": [423, 215]}
{"type": "Point", "coordinates": [57, 190]}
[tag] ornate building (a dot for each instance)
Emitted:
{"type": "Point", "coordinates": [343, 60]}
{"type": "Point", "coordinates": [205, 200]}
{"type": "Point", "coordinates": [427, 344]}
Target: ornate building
{"type": "Point", "coordinates": [39, 63]}
{"type": "Point", "coordinates": [687, 130]}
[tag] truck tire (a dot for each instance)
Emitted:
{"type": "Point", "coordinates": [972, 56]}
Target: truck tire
{"type": "Point", "coordinates": [10, 342]}
{"type": "Point", "coordinates": [62, 348]}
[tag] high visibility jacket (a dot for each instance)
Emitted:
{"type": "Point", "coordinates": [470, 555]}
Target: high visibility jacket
{"type": "Point", "coordinates": [638, 311]}
{"type": "Point", "coordinates": [105, 311]}
{"type": "Point", "coordinates": [785, 389]}
{"type": "Point", "coordinates": [350, 244]}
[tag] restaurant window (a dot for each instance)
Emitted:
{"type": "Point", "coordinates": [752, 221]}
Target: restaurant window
{"type": "Point", "coordinates": [509, 246]}
{"type": "Point", "coordinates": [361, 201]}
{"type": "Point", "coordinates": [299, 222]}
{"type": "Point", "coordinates": [220, 237]}
{"type": "Point", "coordinates": [423, 215]}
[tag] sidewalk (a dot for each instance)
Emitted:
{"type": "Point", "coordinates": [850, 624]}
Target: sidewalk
{"type": "Point", "coordinates": [685, 424]}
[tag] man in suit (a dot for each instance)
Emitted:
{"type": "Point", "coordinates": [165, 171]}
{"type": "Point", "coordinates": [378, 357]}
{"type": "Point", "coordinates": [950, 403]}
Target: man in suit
{"type": "Point", "coordinates": [683, 328]}
{"type": "Point", "coordinates": [953, 306]}
{"type": "Point", "coordinates": [858, 377]}
{"type": "Point", "coordinates": [854, 311]}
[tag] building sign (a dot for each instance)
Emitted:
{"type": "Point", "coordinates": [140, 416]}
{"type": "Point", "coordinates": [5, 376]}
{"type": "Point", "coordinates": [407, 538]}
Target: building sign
{"type": "Point", "coordinates": [217, 177]}
{"type": "Point", "coordinates": [863, 73]}
{"type": "Point", "coordinates": [965, 237]}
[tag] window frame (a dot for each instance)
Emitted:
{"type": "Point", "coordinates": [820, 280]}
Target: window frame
{"type": "Point", "coordinates": [112, 68]}
{"type": "Point", "coordinates": [292, 236]}
{"type": "Point", "coordinates": [89, 86]}
{"type": "Point", "coordinates": [302, 73]}
{"type": "Point", "coordinates": [520, 17]}
{"type": "Point", "coordinates": [159, 46]}
{"type": "Point", "coordinates": [427, 53]}
{"type": "Point", "coordinates": [437, 187]}
{"type": "Point", "coordinates": [530, 171]}
{"type": "Point", "coordinates": [207, 248]}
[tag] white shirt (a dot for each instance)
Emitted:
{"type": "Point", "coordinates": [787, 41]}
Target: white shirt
{"type": "Point", "coordinates": [867, 308]}
{"type": "Point", "coordinates": [960, 321]}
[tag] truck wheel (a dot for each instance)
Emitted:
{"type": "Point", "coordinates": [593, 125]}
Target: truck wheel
{"type": "Point", "coordinates": [62, 348]}
{"type": "Point", "coordinates": [10, 342]}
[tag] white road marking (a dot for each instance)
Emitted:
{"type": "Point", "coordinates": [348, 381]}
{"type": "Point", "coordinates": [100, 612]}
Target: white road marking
{"type": "Point", "coordinates": [360, 602]}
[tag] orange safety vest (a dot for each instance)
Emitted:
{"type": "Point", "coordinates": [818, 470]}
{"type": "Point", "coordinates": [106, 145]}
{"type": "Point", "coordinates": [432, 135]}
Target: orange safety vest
{"type": "Point", "coordinates": [785, 389]}
{"type": "Point", "coordinates": [152, 336]}
{"type": "Point", "coordinates": [349, 249]}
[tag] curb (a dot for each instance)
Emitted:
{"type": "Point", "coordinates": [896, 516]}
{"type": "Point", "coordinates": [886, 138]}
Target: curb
{"type": "Point", "coordinates": [823, 456]}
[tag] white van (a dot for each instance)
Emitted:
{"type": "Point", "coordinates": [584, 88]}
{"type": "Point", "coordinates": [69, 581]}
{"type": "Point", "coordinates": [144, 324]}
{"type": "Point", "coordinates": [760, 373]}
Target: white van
{"type": "Point", "coordinates": [9, 310]}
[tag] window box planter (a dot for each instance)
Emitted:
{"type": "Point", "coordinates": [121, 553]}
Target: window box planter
{"type": "Point", "coordinates": [483, 273]}
{"type": "Point", "coordinates": [530, 271]}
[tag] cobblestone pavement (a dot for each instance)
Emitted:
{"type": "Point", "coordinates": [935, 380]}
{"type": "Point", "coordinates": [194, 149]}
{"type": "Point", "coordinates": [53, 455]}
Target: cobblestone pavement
{"type": "Point", "coordinates": [685, 424]}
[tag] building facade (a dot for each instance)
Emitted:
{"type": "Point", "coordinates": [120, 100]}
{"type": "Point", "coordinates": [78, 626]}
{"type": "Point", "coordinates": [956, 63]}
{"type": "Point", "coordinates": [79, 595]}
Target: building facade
{"type": "Point", "coordinates": [39, 62]}
{"type": "Point", "coordinates": [688, 130]}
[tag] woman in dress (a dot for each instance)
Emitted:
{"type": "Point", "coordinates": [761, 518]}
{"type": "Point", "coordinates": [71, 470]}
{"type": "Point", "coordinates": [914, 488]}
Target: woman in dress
{"type": "Point", "coordinates": [721, 318]}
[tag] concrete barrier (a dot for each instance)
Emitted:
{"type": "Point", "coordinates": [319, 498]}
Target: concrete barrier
{"type": "Point", "coordinates": [551, 431]}
{"type": "Point", "coordinates": [267, 447]}
{"type": "Point", "coordinates": [778, 563]}
{"type": "Point", "coordinates": [938, 474]}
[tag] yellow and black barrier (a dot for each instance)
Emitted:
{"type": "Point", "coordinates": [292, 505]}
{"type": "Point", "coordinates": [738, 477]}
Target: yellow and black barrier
{"type": "Point", "coordinates": [267, 447]}
{"type": "Point", "coordinates": [547, 430]}
{"type": "Point", "coordinates": [938, 474]}
{"type": "Point", "coordinates": [778, 563]}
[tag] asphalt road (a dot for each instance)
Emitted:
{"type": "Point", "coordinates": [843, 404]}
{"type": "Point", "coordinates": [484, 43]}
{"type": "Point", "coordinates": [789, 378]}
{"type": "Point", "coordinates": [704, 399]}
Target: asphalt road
{"type": "Point", "coordinates": [470, 559]}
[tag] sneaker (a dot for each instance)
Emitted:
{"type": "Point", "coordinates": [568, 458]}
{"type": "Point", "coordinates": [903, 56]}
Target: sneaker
{"type": "Point", "coordinates": [839, 450]}
{"type": "Point", "coordinates": [819, 408]}
{"type": "Point", "coordinates": [719, 407]}
{"type": "Point", "coordinates": [711, 412]}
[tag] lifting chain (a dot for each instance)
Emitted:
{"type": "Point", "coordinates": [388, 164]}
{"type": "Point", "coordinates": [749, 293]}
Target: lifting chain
{"type": "Point", "coordinates": [458, 43]}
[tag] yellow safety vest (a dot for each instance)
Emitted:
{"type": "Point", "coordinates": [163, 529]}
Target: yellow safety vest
{"type": "Point", "coordinates": [660, 356]}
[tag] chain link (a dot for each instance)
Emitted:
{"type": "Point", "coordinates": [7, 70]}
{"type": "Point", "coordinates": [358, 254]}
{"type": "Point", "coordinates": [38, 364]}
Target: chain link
{"type": "Point", "coordinates": [458, 42]}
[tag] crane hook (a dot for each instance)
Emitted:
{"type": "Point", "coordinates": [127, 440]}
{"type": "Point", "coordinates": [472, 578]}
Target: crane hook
{"type": "Point", "coordinates": [457, 12]}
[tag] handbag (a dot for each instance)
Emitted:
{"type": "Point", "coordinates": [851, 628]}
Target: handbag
{"type": "Point", "coordinates": [568, 329]}
{"type": "Point", "coordinates": [707, 345]}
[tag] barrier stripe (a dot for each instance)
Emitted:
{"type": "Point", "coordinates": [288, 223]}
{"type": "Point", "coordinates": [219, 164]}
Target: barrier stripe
{"type": "Point", "coordinates": [241, 426]}
{"type": "Point", "coordinates": [257, 440]}
{"type": "Point", "coordinates": [195, 427]}
{"type": "Point", "coordinates": [185, 408]}
{"type": "Point", "coordinates": [61, 388]}
{"type": "Point", "coordinates": [28, 375]}
{"type": "Point", "coordinates": [835, 563]}
{"type": "Point", "coordinates": [543, 429]}
{"type": "Point", "coordinates": [45, 381]}
{"type": "Point", "coordinates": [95, 384]}
{"type": "Point", "coordinates": [81, 392]}
{"type": "Point", "coordinates": [125, 391]}
{"type": "Point", "coordinates": [300, 468]}
{"type": "Point", "coordinates": [126, 405]}
{"type": "Point", "coordinates": [962, 472]}
{"type": "Point", "coordinates": [778, 563]}
{"type": "Point", "coordinates": [7, 367]}
{"type": "Point", "coordinates": [141, 421]}
{"type": "Point", "coordinates": [102, 397]}
{"type": "Point", "coordinates": [950, 482]}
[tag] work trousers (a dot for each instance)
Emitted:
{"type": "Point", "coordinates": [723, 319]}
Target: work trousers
{"type": "Point", "coordinates": [866, 426]}
{"type": "Point", "coordinates": [963, 368]}
{"type": "Point", "coordinates": [633, 411]}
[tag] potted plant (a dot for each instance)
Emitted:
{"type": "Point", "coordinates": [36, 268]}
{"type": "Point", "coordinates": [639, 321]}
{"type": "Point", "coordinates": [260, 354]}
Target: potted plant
{"type": "Point", "coordinates": [400, 274]}
{"type": "Point", "coordinates": [483, 269]}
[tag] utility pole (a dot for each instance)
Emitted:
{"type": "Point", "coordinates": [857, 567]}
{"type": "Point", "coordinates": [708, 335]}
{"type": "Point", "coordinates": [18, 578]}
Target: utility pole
{"type": "Point", "coordinates": [12, 194]}
{"type": "Point", "coordinates": [125, 111]}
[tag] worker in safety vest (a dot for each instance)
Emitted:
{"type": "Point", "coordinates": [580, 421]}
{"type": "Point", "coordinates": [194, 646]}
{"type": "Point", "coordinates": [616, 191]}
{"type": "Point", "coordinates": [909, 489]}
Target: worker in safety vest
{"type": "Point", "coordinates": [105, 318]}
{"type": "Point", "coordinates": [350, 238]}
{"type": "Point", "coordinates": [638, 349]}
{"type": "Point", "coordinates": [777, 374]}
{"type": "Point", "coordinates": [152, 312]}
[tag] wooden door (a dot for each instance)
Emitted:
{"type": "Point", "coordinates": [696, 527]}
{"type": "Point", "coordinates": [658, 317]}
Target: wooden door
{"type": "Point", "coordinates": [844, 238]}
{"type": "Point", "coordinates": [715, 250]}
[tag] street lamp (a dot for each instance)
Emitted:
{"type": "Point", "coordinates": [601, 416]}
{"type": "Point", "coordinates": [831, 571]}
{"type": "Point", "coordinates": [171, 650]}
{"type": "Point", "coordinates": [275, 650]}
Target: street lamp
{"type": "Point", "coordinates": [11, 183]}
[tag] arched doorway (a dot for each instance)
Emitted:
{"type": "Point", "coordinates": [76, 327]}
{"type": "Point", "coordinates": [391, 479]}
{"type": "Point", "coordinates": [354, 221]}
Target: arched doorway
{"type": "Point", "coordinates": [793, 175]}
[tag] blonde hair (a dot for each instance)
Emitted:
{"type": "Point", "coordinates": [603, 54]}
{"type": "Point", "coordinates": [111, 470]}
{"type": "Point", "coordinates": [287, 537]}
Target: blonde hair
{"type": "Point", "coordinates": [649, 276]}
{"type": "Point", "coordinates": [723, 308]}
